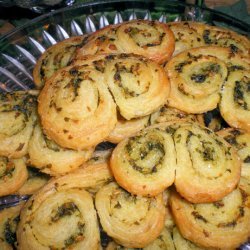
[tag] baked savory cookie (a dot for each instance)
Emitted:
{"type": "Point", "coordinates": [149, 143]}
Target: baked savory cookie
{"type": "Point", "coordinates": [235, 100]}
{"type": "Point", "coordinates": [214, 35]}
{"type": "Point", "coordinates": [132, 221]}
{"type": "Point", "coordinates": [139, 86]}
{"type": "Point", "coordinates": [196, 76]}
{"type": "Point", "coordinates": [223, 224]}
{"type": "Point", "coordinates": [208, 168]}
{"type": "Point", "coordinates": [76, 109]}
{"type": "Point", "coordinates": [13, 174]}
{"type": "Point", "coordinates": [17, 117]}
{"type": "Point", "coordinates": [181, 243]}
{"type": "Point", "coordinates": [51, 158]}
{"type": "Point", "coordinates": [55, 58]}
{"type": "Point", "coordinates": [124, 128]}
{"type": "Point", "coordinates": [59, 217]}
{"type": "Point", "coordinates": [185, 36]}
{"type": "Point", "coordinates": [151, 39]}
{"type": "Point", "coordinates": [145, 164]}
{"type": "Point", "coordinates": [9, 217]}
{"type": "Point", "coordinates": [239, 139]}
{"type": "Point", "coordinates": [168, 114]}
{"type": "Point", "coordinates": [35, 181]}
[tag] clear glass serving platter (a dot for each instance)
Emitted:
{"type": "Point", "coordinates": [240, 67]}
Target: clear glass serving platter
{"type": "Point", "coordinates": [20, 49]}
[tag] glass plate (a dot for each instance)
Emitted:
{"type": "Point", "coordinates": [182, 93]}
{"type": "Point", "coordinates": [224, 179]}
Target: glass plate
{"type": "Point", "coordinates": [20, 49]}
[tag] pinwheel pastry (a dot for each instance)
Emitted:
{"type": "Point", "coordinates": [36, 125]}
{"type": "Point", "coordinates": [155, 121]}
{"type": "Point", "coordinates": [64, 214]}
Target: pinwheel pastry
{"type": "Point", "coordinates": [76, 109]}
{"type": "Point", "coordinates": [13, 174]}
{"type": "Point", "coordinates": [59, 217]}
{"type": "Point", "coordinates": [145, 164]}
{"type": "Point", "coordinates": [9, 218]}
{"type": "Point", "coordinates": [51, 158]}
{"type": "Point", "coordinates": [138, 85]}
{"type": "Point", "coordinates": [168, 114]}
{"type": "Point", "coordinates": [186, 37]}
{"type": "Point", "coordinates": [181, 243]}
{"type": "Point", "coordinates": [197, 75]}
{"type": "Point", "coordinates": [151, 39]}
{"type": "Point", "coordinates": [235, 100]}
{"type": "Point", "coordinates": [17, 117]}
{"type": "Point", "coordinates": [208, 168]}
{"type": "Point", "coordinates": [35, 181]}
{"type": "Point", "coordinates": [55, 58]}
{"type": "Point", "coordinates": [223, 224]}
{"type": "Point", "coordinates": [125, 128]}
{"type": "Point", "coordinates": [132, 221]}
{"type": "Point", "coordinates": [240, 139]}
{"type": "Point", "coordinates": [214, 35]}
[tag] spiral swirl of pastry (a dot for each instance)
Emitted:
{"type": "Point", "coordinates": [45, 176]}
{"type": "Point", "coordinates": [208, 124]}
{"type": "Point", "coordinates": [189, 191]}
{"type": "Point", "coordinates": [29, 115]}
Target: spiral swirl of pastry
{"type": "Point", "coordinates": [139, 86]}
{"type": "Point", "coordinates": [124, 128]}
{"type": "Point", "coordinates": [36, 180]}
{"type": "Point", "coordinates": [222, 224]}
{"type": "Point", "coordinates": [59, 217]}
{"type": "Point", "coordinates": [9, 218]}
{"type": "Point", "coordinates": [181, 243]}
{"type": "Point", "coordinates": [13, 174]}
{"type": "Point", "coordinates": [51, 158]}
{"type": "Point", "coordinates": [235, 100]}
{"type": "Point", "coordinates": [17, 117]}
{"type": "Point", "coordinates": [168, 114]}
{"type": "Point", "coordinates": [55, 58]}
{"type": "Point", "coordinates": [239, 139]}
{"type": "Point", "coordinates": [208, 168]}
{"type": "Point", "coordinates": [145, 164]}
{"type": "Point", "coordinates": [103, 41]}
{"type": "Point", "coordinates": [185, 36]}
{"type": "Point", "coordinates": [196, 76]}
{"type": "Point", "coordinates": [151, 39]}
{"type": "Point", "coordinates": [222, 37]}
{"type": "Point", "coordinates": [132, 221]}
{"type": "Point", "coordinates": [76, 109]}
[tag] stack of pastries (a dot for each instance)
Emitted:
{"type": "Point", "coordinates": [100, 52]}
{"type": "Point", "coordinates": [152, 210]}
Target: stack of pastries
{"type": "Point", "coordinates": [170, 180]}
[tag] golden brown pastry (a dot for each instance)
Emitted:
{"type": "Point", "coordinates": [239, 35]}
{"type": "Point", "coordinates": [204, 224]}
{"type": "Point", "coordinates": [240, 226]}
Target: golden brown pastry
{"type": "Point", "coordinates": [55, 58]}
{"type": "Point", "coordinates": [145, 164]}
{"type": "Point", "coordinates": [124, 128]}
{"type": "Point", "coordinates": [132, 221]}
{"type": "Point", "coordinates": [139, 86]}
{"type": "Point", "coordinates": [208, 168]}
{"type": "Point", "coordinates": [214, 35]}
{"type": "Point", "coordinates": [13, 174]}
{"type": "Point", "coordinates": [59, 217]}
{"type": "Point", "coordinates": [235, 100]}
{"type": "Point", "coordinates": [52, 159]}
{"type": "Point", "coordinates": [9, 218]}
{"type": "Point", "coordinates": [239, 139]}
{"type": "Point", "coordinates": [35, 181]}
{"type": "Point", "coordinates": [197, 75]}
{"type": "Point", "coordinates": [103, 41]}
{"type": "Point", "coordinates": [76, 109]}
{"type": "Point", "coordinates": [17, 117]}
{"type": "Point", "coordinates": [181, 243]}
{"type": "Point", "coordinates": [168, 114]}
{"type": "Point", "coordinates": [221, 224]}
{"type": "Point", "coordinates": [151, 39]}
{"type": "Point", "coordinates": [186, 37]}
